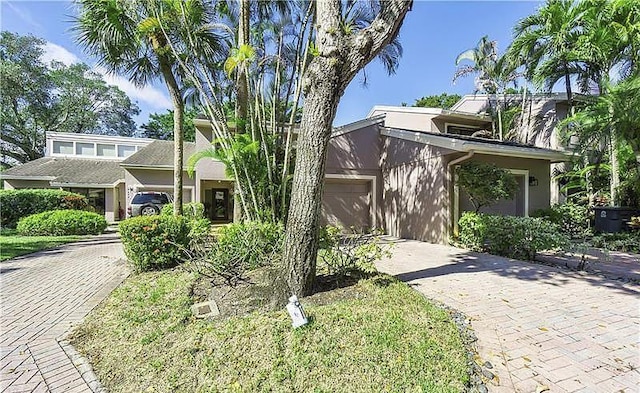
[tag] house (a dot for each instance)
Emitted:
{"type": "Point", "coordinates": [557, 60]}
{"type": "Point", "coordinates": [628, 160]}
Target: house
{"type": "Point", "coordinates": [392, 170]}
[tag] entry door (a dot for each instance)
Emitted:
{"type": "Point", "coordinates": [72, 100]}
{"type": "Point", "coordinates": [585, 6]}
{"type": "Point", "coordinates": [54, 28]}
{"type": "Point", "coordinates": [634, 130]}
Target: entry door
{"type": "Point", "coordinates": [219, 204]}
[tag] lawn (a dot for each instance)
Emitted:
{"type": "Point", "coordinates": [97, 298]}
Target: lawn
{"type": "Point", "coordinates": [384, 337]}
{"type": "Point", "coordinates": [13, 245]}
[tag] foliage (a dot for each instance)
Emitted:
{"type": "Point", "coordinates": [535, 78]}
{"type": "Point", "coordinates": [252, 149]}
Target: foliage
{"type": "Point", "coordinates": [15, 204]}
{"type": "Point", "coordinates": [384, 334]}
{"type": "Point", "coordinates": [62, 223]}
{"type": "Point", "coordinates": [190, 211]}
{"type": "Point", "coordinates": [509, 236]}
{"type": "Point", "coordinates": [485, 183]}
{"type": "Point", "coordinates": [573, 219]}
{"type": "Point", "coordinates": [238, 248]}
{"type": "Point", "coordinates": [344, 254]}
{"type": "Point", "coordinates": [621, 241]}
{"type": "Point", "coordinates": [444, 101]}
{"type": "Point", "coordinates": [154, 242]}
{"type": "Point", "coordinates": [13, 245]}
{"type": "Point", "coordinates": [38, 98]}
{"type": "Point", "coordinates": [160, 125]}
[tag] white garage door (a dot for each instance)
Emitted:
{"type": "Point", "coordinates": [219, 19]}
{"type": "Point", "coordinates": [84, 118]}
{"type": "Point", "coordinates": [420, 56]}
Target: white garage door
{"type": "Point", "coordinates": [347, 203]}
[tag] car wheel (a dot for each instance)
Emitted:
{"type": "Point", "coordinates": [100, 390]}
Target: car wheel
{"type": "Point", "coordinates": [149, 211]}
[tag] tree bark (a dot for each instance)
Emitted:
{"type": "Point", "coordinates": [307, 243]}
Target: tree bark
{"type": "Point", "coordinates": [567, 83]}
{"type": "Point", "coordinates": [340, 57]}
{"type": "Point", "coordinates": [178, 134]}
{"type": "Point", "coordinates": [242, 88]}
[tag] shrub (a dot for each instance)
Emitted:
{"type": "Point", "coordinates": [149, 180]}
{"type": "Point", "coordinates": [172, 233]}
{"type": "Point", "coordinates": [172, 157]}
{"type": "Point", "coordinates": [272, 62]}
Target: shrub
{"type": "Point", "coordinates": [238, 248]}
{"type": "Point", "coordinates": [509, 236]}
{"type": "Point", "coordinates": [154, 242]}
{"type": "Point", "coordinates": [62, 223]}
{"type": "Point", "coordinates": [15, 204]}
{"type": "Point", "coordinates": [486, 184]}
{"type": "Point", "coordinates": [572, 218]}
{"type": "Point", "coordinates": [622, 241]}
{"type": "Point", "coordinates": [344, 254]}
{"type": "Point", "coordinates": [191, 210]}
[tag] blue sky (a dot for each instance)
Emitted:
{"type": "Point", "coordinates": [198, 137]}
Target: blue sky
{"type": "Point", "coordinates": [432, 36]}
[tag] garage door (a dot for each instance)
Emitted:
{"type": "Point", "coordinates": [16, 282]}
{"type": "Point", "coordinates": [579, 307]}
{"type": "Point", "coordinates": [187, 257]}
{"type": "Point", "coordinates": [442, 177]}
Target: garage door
{"type": "Point", "coordinates": [347, 203]}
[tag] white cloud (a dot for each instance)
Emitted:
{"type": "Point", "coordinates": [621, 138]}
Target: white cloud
{"type": "Point", "coordinates": [58, 53]}
{"type": "Point", "coordinates": [148, 94]}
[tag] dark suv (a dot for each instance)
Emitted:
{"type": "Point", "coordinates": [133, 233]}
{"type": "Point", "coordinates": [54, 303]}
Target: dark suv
{"type": "Point", "coordinates": [148, 203]}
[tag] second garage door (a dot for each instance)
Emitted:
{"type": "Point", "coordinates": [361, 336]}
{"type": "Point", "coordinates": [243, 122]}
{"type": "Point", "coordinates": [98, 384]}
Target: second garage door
{"type": "Point", "coordinates": [347, 203]}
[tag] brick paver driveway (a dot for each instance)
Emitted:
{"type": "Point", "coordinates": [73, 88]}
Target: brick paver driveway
{"type": "Point", "coordinates": [538, 326]}
{"type": "Point", "coordinates": [42, 296]}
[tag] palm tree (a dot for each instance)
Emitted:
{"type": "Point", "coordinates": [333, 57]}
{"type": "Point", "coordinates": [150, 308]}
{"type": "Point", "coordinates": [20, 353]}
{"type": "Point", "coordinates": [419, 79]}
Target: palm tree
{"type": "Point", "coordinates": [134, 38]}
{"type": "Point", "coordinates": [545, 44]}
{"type": "Point", "coordinates": [494, 72]}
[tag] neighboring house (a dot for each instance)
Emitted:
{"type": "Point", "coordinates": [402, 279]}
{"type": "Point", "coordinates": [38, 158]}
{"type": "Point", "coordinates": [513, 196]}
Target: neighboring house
{"type": "Point", "coordinates": [392, 170]}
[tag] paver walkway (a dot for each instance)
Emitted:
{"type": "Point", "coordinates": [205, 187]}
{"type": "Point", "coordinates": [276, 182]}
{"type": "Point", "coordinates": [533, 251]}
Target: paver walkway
{"type": "Point", "coordinates": [539, 326]}
{"type": "Point", "coordinates": [42, 296]}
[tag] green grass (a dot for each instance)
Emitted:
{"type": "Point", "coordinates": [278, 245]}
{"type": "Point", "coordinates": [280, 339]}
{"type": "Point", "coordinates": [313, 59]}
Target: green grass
{"type": "Point", "coordinates": [390, 338]}
{"type": "Point", "coordinates": [13, 245]}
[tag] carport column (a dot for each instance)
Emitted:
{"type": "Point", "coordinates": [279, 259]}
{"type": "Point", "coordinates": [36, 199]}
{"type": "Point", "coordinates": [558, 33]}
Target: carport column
{"type": "Point", "coordinates": [454, 187]}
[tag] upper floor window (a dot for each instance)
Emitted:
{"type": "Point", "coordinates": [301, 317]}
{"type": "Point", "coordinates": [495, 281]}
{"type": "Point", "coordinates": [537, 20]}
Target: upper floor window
{"type": "Point", "coordinates": [62, 147]}
{"type": "Point", "coordinates": [126, 150]}
{"type": "Point", "coordinates": [106, 150]}
{"type": "Point", "coordinates": [461, 130]}
{"type": "Point", "coordinates": [85, 149]}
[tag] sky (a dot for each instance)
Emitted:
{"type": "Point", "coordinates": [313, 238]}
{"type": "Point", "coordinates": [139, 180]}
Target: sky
{"type": "Point", "coordinates": [432, 36]}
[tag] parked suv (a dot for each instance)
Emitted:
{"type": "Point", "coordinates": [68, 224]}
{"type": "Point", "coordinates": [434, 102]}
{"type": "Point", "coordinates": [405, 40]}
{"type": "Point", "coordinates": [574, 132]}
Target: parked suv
{"type": "Point", "coordinates": [148, 203]}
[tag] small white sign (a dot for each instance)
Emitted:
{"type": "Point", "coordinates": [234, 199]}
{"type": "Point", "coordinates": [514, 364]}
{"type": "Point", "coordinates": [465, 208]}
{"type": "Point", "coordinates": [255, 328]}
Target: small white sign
{"type": "Point", "coordinates": [295, 310]}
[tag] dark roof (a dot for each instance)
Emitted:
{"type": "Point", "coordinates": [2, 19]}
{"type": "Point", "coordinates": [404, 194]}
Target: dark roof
{"type": "Point", "coordinates": [487, 140]}
{"type": "Point", "coordinates": [60, 171]}
{"type": "Point", "coordinates": [158, 154]}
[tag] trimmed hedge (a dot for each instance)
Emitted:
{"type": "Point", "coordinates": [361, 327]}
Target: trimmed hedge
{"type": "Point", "coordinates": [16, 204]}
{"type": "Point", "coordinates": [154, 242]}
{"type": "Point", "coordinates": [191, 210]}
{"type": "Point", "coordinates": [509, 236]}
{"type": "Point", "coordinates": [62, 223]}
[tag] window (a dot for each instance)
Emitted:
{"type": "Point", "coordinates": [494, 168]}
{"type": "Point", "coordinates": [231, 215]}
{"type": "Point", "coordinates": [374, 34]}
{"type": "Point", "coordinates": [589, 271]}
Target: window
{"type": "Point", "coordinates": [461, 130]}
{"type": "Point", "coordinates": [95, 197]}
{"type": "Point", "coordinates": [106, 150]}
{"type": "Point", "coordinates": [62, 147]}
{"type": "Point", "coordinates": [85, 149]}
{"type": "Point", "coordinates": [126, 150]}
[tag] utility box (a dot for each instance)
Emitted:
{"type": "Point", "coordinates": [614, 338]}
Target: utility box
{"type": "Point", "coordinates": [611, 219]}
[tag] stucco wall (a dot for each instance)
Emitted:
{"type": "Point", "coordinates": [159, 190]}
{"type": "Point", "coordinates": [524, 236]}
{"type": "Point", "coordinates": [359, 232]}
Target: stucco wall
{"type": "Point", "coordinates": [18, 184]}
{"type": "Point", "coordinates": [156, 180]}
{"type": "Point", "coordinates": [356, 155]}
{"type": "Point", "coordinates": [207, 169]}
{"type": "Point", "coordinates": [407, 120]}
{"type": "Point", "coordinates": [415, 197]}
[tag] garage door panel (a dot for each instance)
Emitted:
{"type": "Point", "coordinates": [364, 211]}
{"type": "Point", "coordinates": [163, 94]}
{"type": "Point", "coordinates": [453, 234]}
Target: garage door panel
{"type": "Point", "coordinates": [347, 204]}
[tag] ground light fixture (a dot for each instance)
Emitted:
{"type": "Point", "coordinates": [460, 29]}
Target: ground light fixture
{"type": "Point", "coordinates": [295, 310]}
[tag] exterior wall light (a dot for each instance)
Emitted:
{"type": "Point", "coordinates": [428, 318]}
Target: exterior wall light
{"type": "Point", "coordinates": [533, 181]}
{"type": "Point", "coordinates": [295, 310]}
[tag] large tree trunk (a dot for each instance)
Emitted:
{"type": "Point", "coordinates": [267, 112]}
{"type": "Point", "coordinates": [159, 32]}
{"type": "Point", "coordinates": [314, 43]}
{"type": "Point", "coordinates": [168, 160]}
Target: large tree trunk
{"type": "Point", "coordinates": [178, 134]}
{"type": "Point", "coordinates": [340, 57]}
{"type": "Point", "coordinates": [567, 83]}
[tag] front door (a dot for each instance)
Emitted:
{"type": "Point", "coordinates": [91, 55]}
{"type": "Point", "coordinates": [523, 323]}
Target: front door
{"type": "Point", "coordinates": [219, 204]}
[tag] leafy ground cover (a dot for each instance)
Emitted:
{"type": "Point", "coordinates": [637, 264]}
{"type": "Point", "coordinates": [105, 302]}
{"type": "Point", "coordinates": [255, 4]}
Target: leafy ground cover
{"type": "Point", "coordinates": [377, 335]}
{"type": "Point", "coordinates": [13, 245]}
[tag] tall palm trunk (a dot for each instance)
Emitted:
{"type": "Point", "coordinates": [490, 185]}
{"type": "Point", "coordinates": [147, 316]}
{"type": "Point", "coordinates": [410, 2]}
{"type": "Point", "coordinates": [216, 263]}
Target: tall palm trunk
{"type": "Point", "coordinates": [242, 88]}
{"type": "Point", "coordinates": [178, 134]}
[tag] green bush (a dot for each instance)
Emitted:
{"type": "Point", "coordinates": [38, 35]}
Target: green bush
{"type": "Point", "coordinates": [238, 248]}
{"type": "Point", "coordinates": [572, 218]}
{"type": "Point", "coordinates": [191, 210]}
{"type": "Point", "coordinates": [16, 204]}
{"type": "Point", "coordinates": [62, 223]}
{"type": "Point", "coordinates": [343, 254]}
{"type": "Point", "coordinates": [622, 241]}
{"type": "Point", "coordinates": [154, 242]}
{"type": "Point", "coordinates": [509, 236]}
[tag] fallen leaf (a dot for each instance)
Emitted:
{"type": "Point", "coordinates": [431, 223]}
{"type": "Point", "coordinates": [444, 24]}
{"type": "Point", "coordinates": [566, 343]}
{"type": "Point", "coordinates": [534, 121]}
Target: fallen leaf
{"type": "Point", "coordinates": [544, 329]}
{"type": "Point", "coordinates": [505, 300]}
{"type": "Point", "coordinates": [526, 359]}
